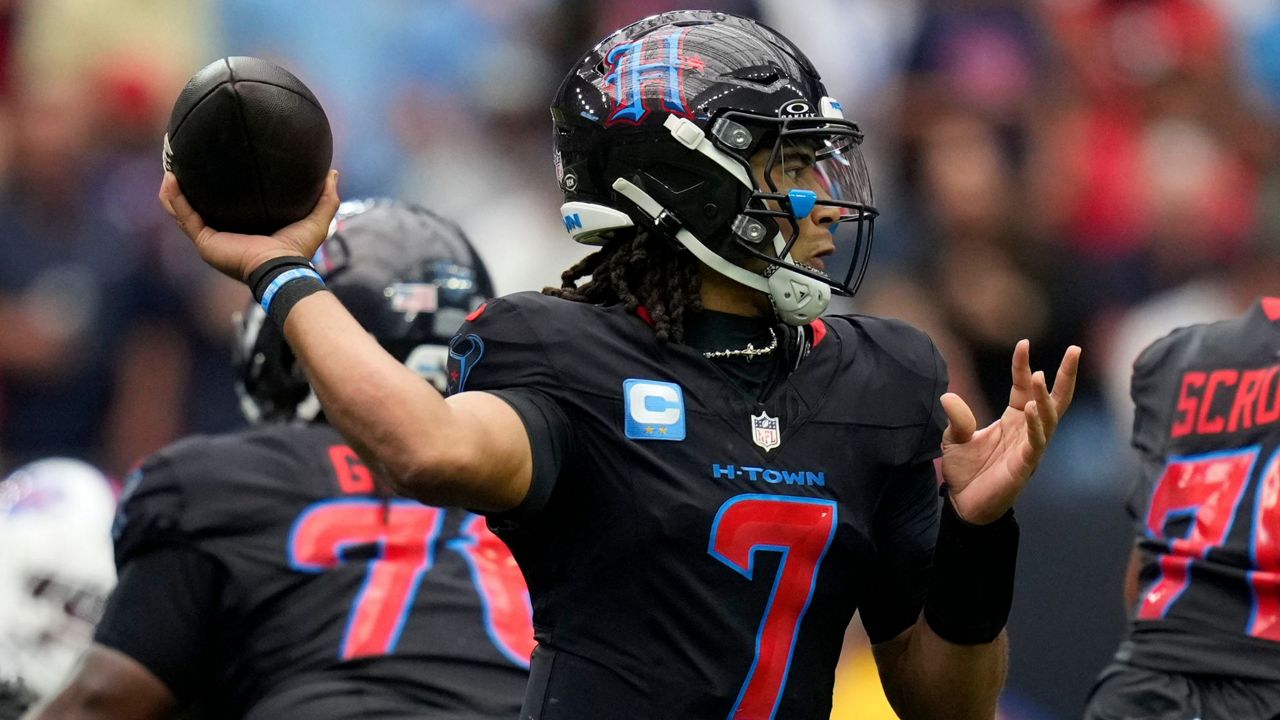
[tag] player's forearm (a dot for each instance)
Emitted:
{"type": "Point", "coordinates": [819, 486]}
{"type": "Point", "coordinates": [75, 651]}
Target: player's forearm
{"type": "Point", "coordinates": [397, 420]}
{"type": "Point", "coordinates": [927, 678]}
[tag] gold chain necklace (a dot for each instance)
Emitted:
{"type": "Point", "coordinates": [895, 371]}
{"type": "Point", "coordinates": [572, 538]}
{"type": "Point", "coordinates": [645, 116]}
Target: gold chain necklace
{"type": "Point", "coordinates": [750, 351]}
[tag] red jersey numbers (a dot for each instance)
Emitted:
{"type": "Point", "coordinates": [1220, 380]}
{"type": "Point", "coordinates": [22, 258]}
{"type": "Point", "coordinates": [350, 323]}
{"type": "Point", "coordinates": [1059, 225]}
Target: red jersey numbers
{"type": "Point", "coordinates": [799, 528]}
{"type": "Point", "coordinates": [404, 536]}
{"type": "Point", "coordinates": [1203, 494]}
{"type": "Point", "coordinates": [1264, 580]}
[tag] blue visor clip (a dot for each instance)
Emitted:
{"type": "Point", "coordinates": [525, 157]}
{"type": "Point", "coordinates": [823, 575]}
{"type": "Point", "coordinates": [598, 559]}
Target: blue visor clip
{"type": "Point", "coordinates": [802, 202]}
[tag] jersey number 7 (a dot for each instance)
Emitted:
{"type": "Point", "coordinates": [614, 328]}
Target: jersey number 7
{"type": "Point", "coordinates": [799, 528]}
{"type": "Point", "coordinates": [1208, 490]}
{"type": "Point", "coordinates": [405, 534]}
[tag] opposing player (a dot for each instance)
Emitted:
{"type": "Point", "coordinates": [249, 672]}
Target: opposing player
{"type": "Point", "coordinates": [264, 575]}
{"type": "Point", "coordinates": [701, 480]}
{"type": "Point", "coordinates": [1204, 578]}
{"type": "Point", "coordinates": [55, 574]}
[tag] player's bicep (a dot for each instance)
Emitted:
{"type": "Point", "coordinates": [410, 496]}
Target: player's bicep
{"type": "Point", "coordinates": [497, 467]}
{"type": "Point", "coordinates": [514, 443]}
{"type": "Point", "coordinates": [108, 685]}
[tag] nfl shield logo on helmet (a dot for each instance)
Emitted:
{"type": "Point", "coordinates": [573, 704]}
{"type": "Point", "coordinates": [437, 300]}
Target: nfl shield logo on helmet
{"type": "Point", "coordinates": [765, 431]}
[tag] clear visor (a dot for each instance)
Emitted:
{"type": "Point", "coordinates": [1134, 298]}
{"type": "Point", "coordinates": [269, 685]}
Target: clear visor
{"type": "Point", "coordinates": [813, 183]}
{"type": "Point", "coordinates": [830, 165]}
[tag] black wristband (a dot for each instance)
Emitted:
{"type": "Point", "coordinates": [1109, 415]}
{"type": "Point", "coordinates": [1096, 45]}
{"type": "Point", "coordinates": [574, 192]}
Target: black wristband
{"type": "Point", "coordinates": [289, 293]}
{"type": "Point", "coordinates": [261, 277]}
{"type": "Point", "coordinates": [279, 283]}
{"type": "Point", "coordinates": [972, 588]}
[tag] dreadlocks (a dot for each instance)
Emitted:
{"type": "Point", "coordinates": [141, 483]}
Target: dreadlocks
{"type": "Point", "coordinates": [636, 270]}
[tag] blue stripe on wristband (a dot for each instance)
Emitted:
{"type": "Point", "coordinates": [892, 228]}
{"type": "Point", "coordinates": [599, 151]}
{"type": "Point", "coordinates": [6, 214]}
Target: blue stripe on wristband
{"type": "Point", "coordinates": [283, 279]}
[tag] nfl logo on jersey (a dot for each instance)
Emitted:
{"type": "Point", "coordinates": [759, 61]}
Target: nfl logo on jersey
{"type": "Point", "coordinates": [765, 431]}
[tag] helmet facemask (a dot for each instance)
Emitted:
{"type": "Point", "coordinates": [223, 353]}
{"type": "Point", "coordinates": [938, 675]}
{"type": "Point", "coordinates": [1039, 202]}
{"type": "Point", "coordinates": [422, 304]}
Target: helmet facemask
{"type": "Point", "coordinates": [806, 169]}
{"type": "Point", "coordinates": [803, 169]}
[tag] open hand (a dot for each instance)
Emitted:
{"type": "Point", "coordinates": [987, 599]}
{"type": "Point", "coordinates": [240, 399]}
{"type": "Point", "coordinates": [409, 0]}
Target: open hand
{"type": "Point", "coordinates": [986, 469]}
{"type": "Point", "coordinates": [238, 255]}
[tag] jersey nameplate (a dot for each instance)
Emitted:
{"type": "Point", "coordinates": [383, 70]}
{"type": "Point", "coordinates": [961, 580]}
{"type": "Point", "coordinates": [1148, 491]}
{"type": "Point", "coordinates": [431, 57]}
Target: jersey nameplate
{"type": "Point", "coordinates": [654, 410]}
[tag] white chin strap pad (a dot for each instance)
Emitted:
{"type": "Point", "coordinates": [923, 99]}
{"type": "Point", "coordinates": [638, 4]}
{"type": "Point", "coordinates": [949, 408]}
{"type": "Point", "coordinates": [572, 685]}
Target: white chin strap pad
{"type": "Point", "coordinates": [796, 299]}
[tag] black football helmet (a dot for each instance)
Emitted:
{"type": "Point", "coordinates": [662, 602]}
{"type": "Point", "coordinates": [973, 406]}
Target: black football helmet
{"type": "Point", "coordinates": [656, 127]}
{"type": "Point", "coordinates": [408, 276]}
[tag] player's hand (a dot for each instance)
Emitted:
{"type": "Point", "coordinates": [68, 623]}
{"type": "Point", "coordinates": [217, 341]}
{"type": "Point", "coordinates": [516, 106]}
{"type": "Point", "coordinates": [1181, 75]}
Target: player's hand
{"type": "Point", "coordinates": [986, 469]}
{"type": "Point", "coordinates": [238, 255]}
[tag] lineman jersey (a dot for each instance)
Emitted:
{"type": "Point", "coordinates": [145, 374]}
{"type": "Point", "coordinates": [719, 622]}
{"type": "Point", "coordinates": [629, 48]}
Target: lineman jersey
{"type": "Point", "coordinates": [691, 552]}
{"type": "Point", "coordinates": [261, 576]}
{"type": "Point", "coordinates": [1208, 430]}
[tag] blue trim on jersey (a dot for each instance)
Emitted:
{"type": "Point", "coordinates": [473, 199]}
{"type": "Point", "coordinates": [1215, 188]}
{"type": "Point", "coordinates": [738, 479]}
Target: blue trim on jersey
{"type": "Point", "coordinates": [773, 592]}
{"type": "Point", "coordinates": [1253, 541]}
{"type": "Point", "coordinates": [283, 279]}
{"type": "Point", "coordinates": [459, 545]}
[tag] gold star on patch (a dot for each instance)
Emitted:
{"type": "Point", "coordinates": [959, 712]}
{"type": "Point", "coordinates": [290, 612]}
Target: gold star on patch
{"type": "Point", "coordinates": [662, 431]}
{"type": "Point", "coordinates": [648, 431]}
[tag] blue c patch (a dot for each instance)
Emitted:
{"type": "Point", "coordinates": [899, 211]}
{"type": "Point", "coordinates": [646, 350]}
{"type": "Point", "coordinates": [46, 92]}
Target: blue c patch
{"type": "Point", "coordinates": [654, 410]}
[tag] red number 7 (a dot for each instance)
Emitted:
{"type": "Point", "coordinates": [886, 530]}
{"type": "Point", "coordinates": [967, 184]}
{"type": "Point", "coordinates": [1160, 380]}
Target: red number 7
{"type": "Point", "coordinates": [799, 528]}
{"type": "Point", "coordinates": [404, 533]}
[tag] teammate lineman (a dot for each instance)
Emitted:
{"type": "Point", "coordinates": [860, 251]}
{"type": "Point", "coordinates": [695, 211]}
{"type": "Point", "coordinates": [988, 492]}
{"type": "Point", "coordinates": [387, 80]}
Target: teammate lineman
{"type": "Point", "coordinates": [701, 480]}
{"type": "Point", "coordinates": [263, 574]}
{"type": "Point", "coordinates": [1204, 578]}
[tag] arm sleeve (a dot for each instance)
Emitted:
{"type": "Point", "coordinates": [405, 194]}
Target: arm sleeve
{"type": "Point", "coordinates": [906, 528]}
{"type": "Point", "coordinates": [163, 613]}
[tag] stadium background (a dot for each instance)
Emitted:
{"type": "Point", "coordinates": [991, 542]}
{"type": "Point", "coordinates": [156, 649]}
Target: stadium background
{"type": "Point", "coordinates": [1091, 171]}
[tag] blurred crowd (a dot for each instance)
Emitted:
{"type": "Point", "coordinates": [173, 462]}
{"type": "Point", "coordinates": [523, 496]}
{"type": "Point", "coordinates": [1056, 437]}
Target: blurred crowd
{"type": "Point", "coordinates": [1069, 171]}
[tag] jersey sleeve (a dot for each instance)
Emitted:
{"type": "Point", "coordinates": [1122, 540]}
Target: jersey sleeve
{"type": "Point", "coordinates": [931, 438]}
{"type": "Point", "coordinates": [163, 613]}
{"type": "Point", "coordinates": [1152, 394]}
{"type": "Point", "coordinates": [905, 531]}
{"type": "Point", "coordinates": [499, 350]}
{"type": "Point", "coordinates": [150, 511]}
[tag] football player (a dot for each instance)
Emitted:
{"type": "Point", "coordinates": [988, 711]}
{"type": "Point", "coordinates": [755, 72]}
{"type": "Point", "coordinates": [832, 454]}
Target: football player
{"type": "Point", "coordinates": [1203, 582]}
{"type": "Point", "coordinates": [264, 575]}
{"type": "Point", "coordinates": [55, 573]}
{"type": "Point", "coordinates": [700, 478]}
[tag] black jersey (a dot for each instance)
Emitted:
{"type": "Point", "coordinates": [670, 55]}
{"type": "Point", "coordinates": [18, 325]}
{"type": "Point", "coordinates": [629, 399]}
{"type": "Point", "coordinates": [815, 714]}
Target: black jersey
{"type": "Point", "coordinates": [1208, 430]}
{"type": "Point", "coordinates": [315, 597]}
{"type": "Point", "coordinates": [694, 553]}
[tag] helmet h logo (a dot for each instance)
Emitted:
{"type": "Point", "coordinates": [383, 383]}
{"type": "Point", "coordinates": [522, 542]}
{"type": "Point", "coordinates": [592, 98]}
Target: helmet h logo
{"type": "Point", "coordinates": [654, 410]}
{"type": "Point", "coordinates": [630, 74]}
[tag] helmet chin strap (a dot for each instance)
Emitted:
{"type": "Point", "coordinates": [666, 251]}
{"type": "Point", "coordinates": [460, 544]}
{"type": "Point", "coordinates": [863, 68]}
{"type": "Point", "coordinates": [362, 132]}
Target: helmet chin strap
{"type": "Point", "coordinates": [797, 300]}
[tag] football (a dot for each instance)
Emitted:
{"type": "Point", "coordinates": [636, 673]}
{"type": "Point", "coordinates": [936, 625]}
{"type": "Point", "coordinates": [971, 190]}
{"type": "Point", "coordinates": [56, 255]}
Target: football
{"type": "Point", "coordinates": [249, 144]}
